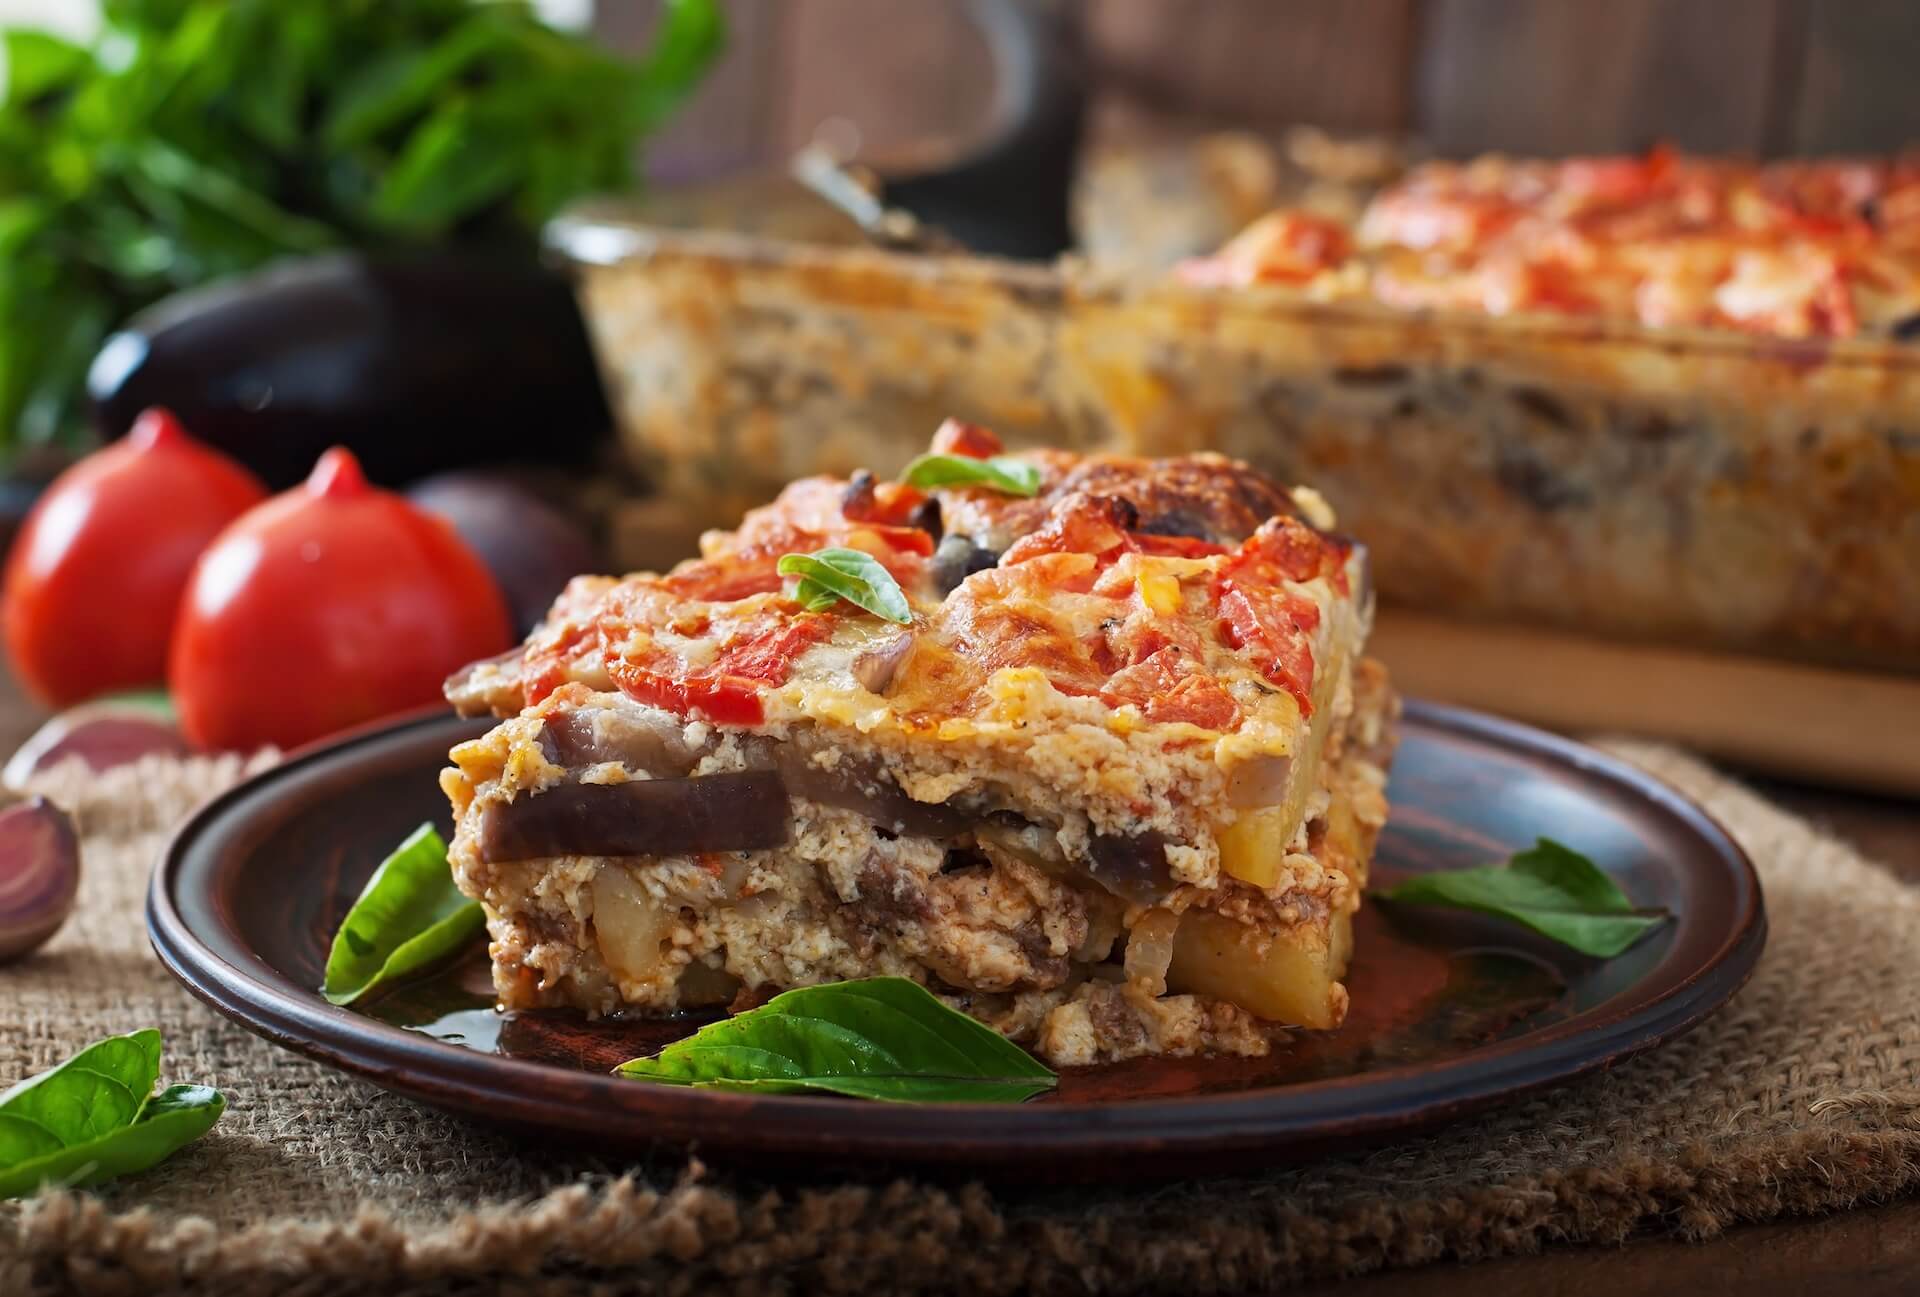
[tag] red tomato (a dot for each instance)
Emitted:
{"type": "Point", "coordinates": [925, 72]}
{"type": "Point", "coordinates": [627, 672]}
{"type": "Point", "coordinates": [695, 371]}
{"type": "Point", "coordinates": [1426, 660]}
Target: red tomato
{"type": "Point", "coordinates": [94, 580]}
{"type": "Point", "coordinates": [727, 689]}
{"type": "Point", "coordinates": [1168, 686]}
{"type": "Point", "coordinates": [330, 604]}
{"type": "Point", "coordinates": [1276, 629]}
{"type": "Point", "coordinates": [953, 437]}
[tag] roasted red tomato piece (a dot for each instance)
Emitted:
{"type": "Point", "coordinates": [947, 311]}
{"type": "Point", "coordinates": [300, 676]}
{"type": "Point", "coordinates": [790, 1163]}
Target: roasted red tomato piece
{"type": "Point", "coordinates": [728, 689]}
{"type": "Point", "coordinates": [1286, 548]}
{"type": "Point", "coordinates": [969, 439]}
{"type": "Point", "coordinates": [1080, 524]}
{"type": "Point", "coordinates": [1276, 629]}
{"type": "Point", "coordinates": [891, 504]}
{"type": "Point", "coordinates": [1170, 686]}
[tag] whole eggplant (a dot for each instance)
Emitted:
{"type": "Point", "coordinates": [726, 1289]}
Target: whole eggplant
{"type": "Point", "coordinates": [416, 365]}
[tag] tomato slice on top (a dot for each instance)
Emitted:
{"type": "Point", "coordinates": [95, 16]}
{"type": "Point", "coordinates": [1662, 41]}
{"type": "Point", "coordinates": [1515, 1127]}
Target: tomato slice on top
{"type": "Point", "coordinates": [728, 689]}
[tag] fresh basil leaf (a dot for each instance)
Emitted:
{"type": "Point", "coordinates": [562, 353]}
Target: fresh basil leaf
{"type": "Point", "coordinates": [404, 81]}
{"type": "Point", "coordinates": [173, 1119]}
{"type": "Point", "coordinates": [95, 1117]}
{"type": "Point", "coordinates": [178, 173]}
{"type": "Point", "coordinates": [880, 1038]}
{"type": "Point", "coordinates": [198, 138]}
{"type": "Point", "coordinates": [1550, 888]}
{"type": "Point", "coordinates": [98, 1090]}
{"type": "Point", "coordinates": [271, 104]}
{"type": "Point", "coordinates": [39, 63]}
{"type": "Point", "coordinates": [690, 36]}
{"type": "Point", "coordinates": [859, 578]}
{"type": "Point", "coordinates": [1002, 473]}
{"type": "Point", "coordinates": [409, 917]}
{"type": "Point", "coordinates": [455, 162]}
{"type": "Point", "coordinates": [53, 390]}
{"type": "Point", "coordinates": [814, 597]}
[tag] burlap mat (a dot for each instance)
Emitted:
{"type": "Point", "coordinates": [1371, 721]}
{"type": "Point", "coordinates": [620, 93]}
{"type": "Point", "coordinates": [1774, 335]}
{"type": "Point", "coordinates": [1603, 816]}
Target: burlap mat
{"type": "Point", "coordinates": [1804, 1094]}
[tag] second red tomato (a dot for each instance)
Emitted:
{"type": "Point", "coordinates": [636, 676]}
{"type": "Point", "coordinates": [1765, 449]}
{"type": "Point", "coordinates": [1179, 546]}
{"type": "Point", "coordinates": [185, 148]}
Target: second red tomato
{"type": "Point", "coordinates": [331, 604]}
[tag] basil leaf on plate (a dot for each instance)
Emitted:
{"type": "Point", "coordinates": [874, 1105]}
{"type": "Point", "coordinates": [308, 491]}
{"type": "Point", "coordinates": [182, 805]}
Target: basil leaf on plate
{"type": "Point", "coordinates": [95, 1117]}
{"type": "Point", "coordinates": [409, 916]}
{"type": "Point", "coordinates": [879, 1038]}
{"type": "Point", "coordinates": [1550, 888]}
{"type": "Point", "coordinates": [1002, 473]}
{"type": "Point", "coordinates": [830, 574]}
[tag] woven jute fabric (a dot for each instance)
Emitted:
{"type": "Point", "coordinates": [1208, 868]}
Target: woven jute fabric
{"type": "Point", "coordinates": [1802, 1095]}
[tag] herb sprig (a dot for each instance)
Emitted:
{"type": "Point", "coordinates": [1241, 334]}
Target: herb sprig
{"type": "Point", "coordinates": [1001, 473]}
{"type": "Point", "coordinates": [1550, 888]}
{"type": "Point", "coordinates": [200, 138]}
{"type": "Point", "coordinates": [830, 575]}
{"type": "Point", "coordinates": [410, 916]}
{"type": "Point", "coordinates": [879, 1038]}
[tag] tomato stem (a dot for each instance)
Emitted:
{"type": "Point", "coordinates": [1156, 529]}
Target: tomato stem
{"type": "Point", "coordinates": [155, 428]}
{"type": "Point", "coordinates": [336, 475]}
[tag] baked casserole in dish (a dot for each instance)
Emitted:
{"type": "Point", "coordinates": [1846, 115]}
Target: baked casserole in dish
{"type": "Point", "coordinates": [1666, 399]}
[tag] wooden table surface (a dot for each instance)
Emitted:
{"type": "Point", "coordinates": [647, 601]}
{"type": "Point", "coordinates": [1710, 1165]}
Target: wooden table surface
{"type": "Point", "coordinates": [1872, 1251]}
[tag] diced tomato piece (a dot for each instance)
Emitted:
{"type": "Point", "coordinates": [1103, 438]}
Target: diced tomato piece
{"type": "Point", "coordinates": [1288, 548]}
{"type": "Point", "coordinates": [1556, 286]}
{"type": "Point", "coordinates": [1079, 524]}
{"type": "Point", "coordinates": [1617, 179]}
{"type": "Point", "coordinates": [769, 655]}
{"type": "Point", "coordinates": [997, 619]}
{"type": "Point", "coordinates": [728, 689]}
{"type": "Point", "coordinates": [544, 667]}
{"type": "Point", "coordinates": [888, 503]}
{"type": "Point", "coordinates": [1283, 246]}
{"type": "Point", "coordinates": [908, 540]}
{"type": "Point", "coordinates": [1144, 633]}
{"type": "Point", "coordinates": [1167, 686]}
{"type": "Point", "coordinates": [729, 700]}
{"type": "Point", "coordinates": [1175, 546]}
{"type": "Point", "coordinates": [1198, 700]}
{"type": "Point", "coordinates": [735, 578]}
{"type": "Point", "coordinates": [1275, 628]}
{"type": "Point", "coordinates": [1833, 305]}
{"type": "Point", "coordinates": [968, 439]}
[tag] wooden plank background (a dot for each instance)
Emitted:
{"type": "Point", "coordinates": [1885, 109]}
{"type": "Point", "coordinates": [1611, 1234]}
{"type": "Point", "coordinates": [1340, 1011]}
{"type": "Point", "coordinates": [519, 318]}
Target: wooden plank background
{"type": "Point", "coordinates": [1537, 76]}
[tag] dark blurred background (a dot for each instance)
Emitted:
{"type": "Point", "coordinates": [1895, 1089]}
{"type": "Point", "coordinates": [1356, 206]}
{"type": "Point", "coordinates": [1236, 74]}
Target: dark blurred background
{"type": "Point", "coordinates": [1539, 76]}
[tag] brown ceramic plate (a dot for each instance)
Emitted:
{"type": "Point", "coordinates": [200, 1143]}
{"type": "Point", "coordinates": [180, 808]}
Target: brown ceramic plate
{"type": "Point", "coordinates": [1449, 1015]}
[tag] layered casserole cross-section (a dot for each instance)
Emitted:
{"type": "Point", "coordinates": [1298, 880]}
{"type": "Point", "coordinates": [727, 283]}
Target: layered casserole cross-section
{"type": "Point", "coordinates": [1109, 781]}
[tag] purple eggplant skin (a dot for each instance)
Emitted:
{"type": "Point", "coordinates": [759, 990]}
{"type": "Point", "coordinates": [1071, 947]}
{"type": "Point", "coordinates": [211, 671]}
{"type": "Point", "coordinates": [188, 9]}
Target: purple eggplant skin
{"type": "Point", "coordinates": [736, 810]}
{"type": "Point", "coordinates": [39, 875]}
{"type": "Point", "coordinates": [531, 548]}
{"type": "Point", "coordinates": [417, 365]}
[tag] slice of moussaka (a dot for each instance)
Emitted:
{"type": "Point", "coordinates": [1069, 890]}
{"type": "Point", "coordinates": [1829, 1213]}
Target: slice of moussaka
{"type": "Point", "coordinates": [1085, 745]}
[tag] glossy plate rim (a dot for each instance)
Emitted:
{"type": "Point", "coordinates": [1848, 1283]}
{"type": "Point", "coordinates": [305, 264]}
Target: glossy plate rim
{"type": "Point", "coordinates": [1205, 1131]}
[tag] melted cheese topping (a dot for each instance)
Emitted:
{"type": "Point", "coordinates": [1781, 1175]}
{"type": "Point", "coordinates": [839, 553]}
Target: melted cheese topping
{"type": "Point", "coordinates": [1791, 249]}
{"type": "Point", "coordinates": [1222, 639]}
